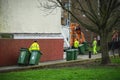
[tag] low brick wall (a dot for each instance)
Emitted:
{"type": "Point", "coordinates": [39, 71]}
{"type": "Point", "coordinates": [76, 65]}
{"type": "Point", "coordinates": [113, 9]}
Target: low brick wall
{"type": "Point", "coordinates": [52, 49]}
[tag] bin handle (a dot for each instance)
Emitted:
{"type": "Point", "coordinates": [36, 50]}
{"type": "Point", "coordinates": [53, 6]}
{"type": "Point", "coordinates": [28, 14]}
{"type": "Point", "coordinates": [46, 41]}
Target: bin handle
{"type": "Point", "coordinates": [41, 53]}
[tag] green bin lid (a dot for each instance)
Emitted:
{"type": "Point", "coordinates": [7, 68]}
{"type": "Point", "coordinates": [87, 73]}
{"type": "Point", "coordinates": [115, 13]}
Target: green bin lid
{"type": "Point", "coordinates": [75, 49]}
{"type": "Point", "coordinates": [81, 45]}
{"type": "Point", "coordinates": [24, 49]}
{"type": "Point", "coordinates": [70, 50]}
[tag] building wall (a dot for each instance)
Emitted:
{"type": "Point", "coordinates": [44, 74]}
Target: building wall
{"type": "Point", "coordinates": [52, 49]}
{"type": "Point", "coordinates": [27, 16]}
{"type": "Point", "coordinates": [26, 21]}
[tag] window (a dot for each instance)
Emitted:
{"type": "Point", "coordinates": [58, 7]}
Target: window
{"type": "Point", "coordinates": [6, 36]}
{"type": "Point", "coordinates": [65, 19]}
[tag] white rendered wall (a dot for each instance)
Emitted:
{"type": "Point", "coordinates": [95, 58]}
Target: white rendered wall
{"type": "Point", "coordinates": [25, 16]}
{"type": "Point", "coordinates": [37, 36]}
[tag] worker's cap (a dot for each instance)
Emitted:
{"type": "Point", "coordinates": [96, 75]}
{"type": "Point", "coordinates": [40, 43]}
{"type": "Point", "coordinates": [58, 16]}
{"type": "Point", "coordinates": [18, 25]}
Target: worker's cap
{"type": "Point", "coordinates": [35, 40]}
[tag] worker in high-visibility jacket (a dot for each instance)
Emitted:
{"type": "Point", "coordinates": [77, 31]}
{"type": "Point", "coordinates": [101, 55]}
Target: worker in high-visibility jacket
{"type": "Point", "coordinates": [76, 43]}
{"type": "Point", "coordinates": [94, 46]}
{"type": "Point", "coordinates": [34, 46]}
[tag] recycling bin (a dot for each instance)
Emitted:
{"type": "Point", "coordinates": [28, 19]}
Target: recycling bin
{"type": "Point", "coordinates": [24, 56]}
{"type": "Point", "coordinates": [75, 54]}
{"type": "Point", "coordinates": [85, 46]}
{"type": "Point", "coordinates": [35, 57]}
{"type": "Point", "coordinates": [81, 49]}
{"type": "Point", "coordinates": [70, 54]}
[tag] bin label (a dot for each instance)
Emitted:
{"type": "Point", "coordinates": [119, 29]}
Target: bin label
{"type": "Point", "coordinates": [33, 57]}
{"type": "Point", "coordinates": [22, 54]}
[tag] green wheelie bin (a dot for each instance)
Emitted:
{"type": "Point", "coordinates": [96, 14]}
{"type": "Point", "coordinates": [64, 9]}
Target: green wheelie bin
{"type": "Point", "coordinates": [35, 57]}
{"type": "Point", "coordinates": [70, 54]}
{"type": "Point", "coordinates": [24, 56]}
{"type": "Point", "coordinates": [85, 46]}
{"type": "Point", "coordinates": [75, 54]}
{"type": "Point", "coordinates": [81, 49]}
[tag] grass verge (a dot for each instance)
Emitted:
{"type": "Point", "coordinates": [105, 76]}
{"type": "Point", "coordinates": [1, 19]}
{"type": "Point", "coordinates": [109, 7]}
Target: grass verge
{"type": "Point", "coordinates": [92, 72]}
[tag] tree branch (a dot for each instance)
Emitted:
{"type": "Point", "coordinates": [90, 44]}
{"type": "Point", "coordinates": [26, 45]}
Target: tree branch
{"type": "Point", "coordinates": [89, 27]}
{"type": "Point", "coordinates": [90, 16]}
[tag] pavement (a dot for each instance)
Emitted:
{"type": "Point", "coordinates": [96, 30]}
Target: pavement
{"type": "Point", "coordinates": [48, 63]}
{"type": "Point", "coordinates": [41, 65]}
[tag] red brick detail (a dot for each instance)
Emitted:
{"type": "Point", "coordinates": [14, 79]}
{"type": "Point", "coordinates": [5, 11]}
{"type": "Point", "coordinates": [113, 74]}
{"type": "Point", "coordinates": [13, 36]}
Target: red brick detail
{"type": "Point", "coordinates": [52, 49]}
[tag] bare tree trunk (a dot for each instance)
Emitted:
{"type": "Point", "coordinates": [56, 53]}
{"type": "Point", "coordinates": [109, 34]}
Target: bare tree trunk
{"type": "Point", "coordinates": [104, 48]}
{"type": "Point", "coordinates": [119, 43]}
{"type": "Point", "coordinates": [119, 48]}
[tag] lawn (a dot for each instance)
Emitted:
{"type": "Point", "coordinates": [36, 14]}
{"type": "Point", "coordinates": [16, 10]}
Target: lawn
{"type": "Point", "coordinates": [70, 73]}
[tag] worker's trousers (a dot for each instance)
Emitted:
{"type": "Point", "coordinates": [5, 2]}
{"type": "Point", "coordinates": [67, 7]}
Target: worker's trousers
{"type": "Point", "coordinates": [95, 49]}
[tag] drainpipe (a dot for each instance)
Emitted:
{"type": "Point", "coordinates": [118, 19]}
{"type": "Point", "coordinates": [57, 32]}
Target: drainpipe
{"type": "Point", "coordinates": [69, 19]}
{"type": "Point", "coordinates": [69, 7]}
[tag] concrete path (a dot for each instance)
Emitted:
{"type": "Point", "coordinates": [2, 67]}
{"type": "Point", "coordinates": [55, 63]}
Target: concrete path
{"type": "Point", "coordinates": [48, 63]}
{"type": "Point", "coordinates": [43, 64]}
{"type": "Point", "coordinates": [17, 67]}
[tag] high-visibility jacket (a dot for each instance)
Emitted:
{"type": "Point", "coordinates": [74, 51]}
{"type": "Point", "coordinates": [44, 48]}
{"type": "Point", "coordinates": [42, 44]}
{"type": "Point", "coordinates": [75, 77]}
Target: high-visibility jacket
{"type": "Point", "coordinates": [94, 47]}
{"type": "Point", "coordinates": [34, 46]}
{"type": "Point", "coordinates": [94, 43]}
{"type": "Point", "coordinates": [76, 43]}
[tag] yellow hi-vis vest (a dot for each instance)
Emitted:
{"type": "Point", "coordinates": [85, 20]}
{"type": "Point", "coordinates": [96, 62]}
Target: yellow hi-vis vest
{"type": "Point", "coordinates": [94, 43]}
{"type": "Point", "coordinates": [34, 46]}
{"type": "Point", "coordinates": [76, 44]}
